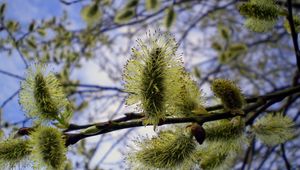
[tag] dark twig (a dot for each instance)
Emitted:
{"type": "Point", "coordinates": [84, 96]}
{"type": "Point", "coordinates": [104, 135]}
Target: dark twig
{"type": "Point", "coordinates": [247, 155]}
{"type": "Point", "coordinates": [293, 32]}
{"type": "Point", "coordinates": [11, 75]}
{"type": "Point", "coordinates": [70, 2]}
{"type": "Point", "coordinates": [98, 87]}
{"type": "Point", "coordinates": [17, 47]}
{"type": "Point", "coordinates": [286, 161]}
{"type": "Point", "coordinates": [9, 98]}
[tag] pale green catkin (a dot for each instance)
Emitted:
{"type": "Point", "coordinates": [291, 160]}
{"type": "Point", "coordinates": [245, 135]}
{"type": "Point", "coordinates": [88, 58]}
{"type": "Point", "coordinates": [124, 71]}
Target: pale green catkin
{"type": "Point", "coordinates": [261, 15]}
{"type": "Point", "coordinates": [169, 150]}
{"type": "Point", "coordinates": [41, 95]}
{"type": "Point", "coordinates": [224, 129]}
{"type": "Point", "coordinates": [217, 155]}
{"type": "Point", "coordinates": [189, 101]}
{"type": "Point", "coordinates": [48, 148]}
{"type": "Point", "coordinates": [152, 77]}
{"type": "Point", "coordinates": [224, 141]}
{"type": "Point", "coordinates": [274, 129]}
{"type": "Point", "coordinates": [229, 94]}
{"type": "Point", "coordinates": [13, 152]}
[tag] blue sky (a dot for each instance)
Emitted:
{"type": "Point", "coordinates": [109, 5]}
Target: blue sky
{"type": "Point", "coordinates": [25, 11]}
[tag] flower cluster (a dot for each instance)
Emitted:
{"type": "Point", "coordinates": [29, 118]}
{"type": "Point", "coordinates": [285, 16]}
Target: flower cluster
{"type": "Point", "coordinates": [155, 79]}
{"type": "Point", "coordinates": [13, 152]}
{"type": "Point", "coordinates": [42, 96]}
{"type": "Point", "coordinates": [170, 149]}
{"type": "Point", "coordinates": [45, 146]}
{"type": "Point", "coordinates": [48, 148]}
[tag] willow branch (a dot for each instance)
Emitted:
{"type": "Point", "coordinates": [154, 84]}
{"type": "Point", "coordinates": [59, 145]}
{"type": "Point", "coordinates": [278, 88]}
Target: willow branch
{"type": "Point", "coordinates": [136, 120]}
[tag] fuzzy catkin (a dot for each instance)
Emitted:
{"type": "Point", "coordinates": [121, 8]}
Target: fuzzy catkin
{"type": "Point", "coordinates": [274, 129]}
{"type": "Point", "coordinates": [13, 152]}
{"type": "Point", "coordinates": [152, 77]}
{"type": "Point", "coordinates": [261, 15]}
{"type": "Point", "coordinates": [168, 150]}
{"type": "Point", "coordinates": [41, 95]}
{"type": "Point", "coordinates": [229, 94]}
{"type": "Point", "coordinates": [48, 148]}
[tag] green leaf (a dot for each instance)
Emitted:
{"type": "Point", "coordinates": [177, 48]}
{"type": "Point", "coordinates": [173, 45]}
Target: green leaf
{"type": "Point", "coordinates": [170, 17]}
{"type": "Point", "coordinates": [31, 43]}
{"type": "Point", "coordinates": [2, 9]}
{"type": "Point", "coordinates": [31, 26]}
{"type": "Point", "coordinates": [12, 26]}
{"type": "Point", "coordinates": [41, 32]}
{"type": "Point", "coordinates": [93, 10]}
{"type": "Point", "coordinates": [125, 15]}
{"type": "Point", "coordinates": [224, 32]}
{"type": "Point", "coordinates": [91, 14]}
{"type": "Point", "coordinates": [216, 46]}
{"type": "Point", "coordinates": [152, 4]}
{"type": "Point", "coordinates": [132, 3]}
{"type": "Point", "coordinates": [197, 72]}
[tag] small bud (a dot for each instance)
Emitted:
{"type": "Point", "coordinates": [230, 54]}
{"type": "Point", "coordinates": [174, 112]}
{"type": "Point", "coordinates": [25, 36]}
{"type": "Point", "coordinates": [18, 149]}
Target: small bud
{"type": "Point", "coordinates": [198, 132]}
{"type": "Point", "coordinates": [24, 131]}
{"type": "Point", "coordinates": [90, 130]}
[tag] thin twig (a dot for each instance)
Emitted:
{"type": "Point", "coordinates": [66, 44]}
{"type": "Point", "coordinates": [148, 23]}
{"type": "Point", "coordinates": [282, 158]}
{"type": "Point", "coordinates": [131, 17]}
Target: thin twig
{"type": "Point", "coordinates": [11, 75]}
{"type": "Point", "coordinates": [283, 154]}
{"type": "Point", "coordinates": [293, 32]}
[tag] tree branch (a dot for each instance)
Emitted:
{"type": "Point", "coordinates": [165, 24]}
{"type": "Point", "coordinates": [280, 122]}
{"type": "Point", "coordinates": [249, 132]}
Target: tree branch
{"type": "Point", "coordinates": [293, 32]}
{"type": "Point", "coordinates": [136, 120]}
